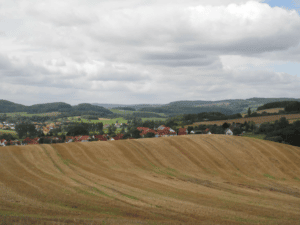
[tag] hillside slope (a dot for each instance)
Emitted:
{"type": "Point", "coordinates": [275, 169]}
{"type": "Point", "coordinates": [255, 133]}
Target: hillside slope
{"type": "Point", "coordinates": [197, 179]}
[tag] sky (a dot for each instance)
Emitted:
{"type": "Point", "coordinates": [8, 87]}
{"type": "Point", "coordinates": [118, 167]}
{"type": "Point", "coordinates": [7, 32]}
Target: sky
{"type": "Point", "coordinates": [148, 51]}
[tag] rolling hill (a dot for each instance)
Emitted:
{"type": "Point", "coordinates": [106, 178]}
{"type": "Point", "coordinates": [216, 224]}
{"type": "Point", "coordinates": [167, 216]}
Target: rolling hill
{"type": "Point", "coordinates": [195, 179]}
{"type": "Point", "coordinates": [10, 107]}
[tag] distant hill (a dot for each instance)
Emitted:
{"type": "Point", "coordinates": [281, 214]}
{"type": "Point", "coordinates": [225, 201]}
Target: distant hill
{"type": "Point", "coordinates": [277, 104]}
{"type": "Point", "coordinates": [7, 107]}
{"type": "Point", "coordinates": [227, 106]}
{"type": "Point", "coordinates": [10, 107]}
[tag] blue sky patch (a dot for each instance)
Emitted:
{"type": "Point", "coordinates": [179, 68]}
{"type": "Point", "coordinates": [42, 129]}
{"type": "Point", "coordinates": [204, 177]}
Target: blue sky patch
{"type": "Point", "coordinates": [289, 4]}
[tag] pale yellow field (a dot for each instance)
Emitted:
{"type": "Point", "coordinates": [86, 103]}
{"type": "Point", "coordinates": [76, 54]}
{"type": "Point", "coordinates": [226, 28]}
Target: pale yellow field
{"type": "Point", "coordinates": [256, 120]}
{"type": "Point", "coordinates": [274, 110]}
{"type": "Point", "coordinates": [195, 179]}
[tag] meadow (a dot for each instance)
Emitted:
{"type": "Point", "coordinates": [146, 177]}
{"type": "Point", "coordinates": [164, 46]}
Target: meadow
{"type": "Point", "coordinates": [31, 114]}
{"type": "Point", "coordinates": [194, 179]}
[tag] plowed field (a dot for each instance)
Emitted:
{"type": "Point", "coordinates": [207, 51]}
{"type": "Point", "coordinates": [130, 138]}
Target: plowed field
{"type": "Point", "coordinates": [196, 179]}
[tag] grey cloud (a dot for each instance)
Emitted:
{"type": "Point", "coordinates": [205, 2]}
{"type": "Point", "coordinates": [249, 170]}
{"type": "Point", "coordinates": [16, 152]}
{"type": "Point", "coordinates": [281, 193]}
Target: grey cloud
{"type": "Point", "coordinates": [153, 51]}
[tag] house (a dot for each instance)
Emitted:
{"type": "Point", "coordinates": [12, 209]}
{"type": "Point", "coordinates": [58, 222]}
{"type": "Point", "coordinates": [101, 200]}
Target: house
{"type": "Point", "coordinates": [106, 126]}
{"type": "Point", "coordinates": [161, 127]}
{"type": "Point", "coordinates": [69, 139]}
{"type": "Point", "coordinates": [206, 131]}
{"type": "Point", "coordinates": [118, 137]}
{"type": "Point", "coordinates": [31, 141]}
{"type": "Point", "coordinates": [172, 131]}
{"type": "Point", "coordinates": [3, 142]}
{"type": "Point", "coordinates": [163, 133]}
{"type": "Point", "coordinates": [145, 130]}
{"type": "Point", "coordinates": [182, 131]}
{"type": "Point", "coordinates": [84, 138]}
{"type": "Point", "coordinates": [228, 131]}
{"type": "Point", "coordinates": [100, 137]}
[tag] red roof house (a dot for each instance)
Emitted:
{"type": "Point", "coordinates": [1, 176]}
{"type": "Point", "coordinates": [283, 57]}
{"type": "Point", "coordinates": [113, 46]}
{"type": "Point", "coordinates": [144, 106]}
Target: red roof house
{"type": "Point", "coordinates": [182, 131]}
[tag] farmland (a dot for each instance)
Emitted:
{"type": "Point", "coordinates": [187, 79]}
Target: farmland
{"type": "Point", "coordinates": [257, 120]}
{"type": "Point", "coordinates": [275, 110]}
{"type": "Point", "coordinates": [195, 179]}
{"type": "Point", "coordinates": [101, 120]}
{"type": "Point", "coordinates": [30, 114]}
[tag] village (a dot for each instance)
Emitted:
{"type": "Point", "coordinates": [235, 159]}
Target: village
{"type": "Point", "coordinates": [144, 132]}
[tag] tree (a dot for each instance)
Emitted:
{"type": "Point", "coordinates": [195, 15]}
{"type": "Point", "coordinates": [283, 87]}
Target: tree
{"type": "Point", "coordinates": [123, 130]}
{"type": "Point", "coordinates": [237, 131]}
{"type": "Point", "coordinates": [126, 136]}
{"type": "Point", "coordinates": [266, 128]}
{"type": "Point", "coordinates": [3, 117]}
{"type": "Point", "coordinates": [190, 128]}
{"type": "Point", "coordinates": [26, 129]}
{"type": "Point", "coordinates": [249, 111]}
{"type": "Point", "coordinates": [7, 137]}
{"type": "Point", "coordinates": [225, 125]}
{"type": "Point", "coordinates": [292, 107]}
{"type": "Point", "coordinates": [41, 140]}
{"type": "Point", "coordinates": [252, 126]}
{"type": "Point", "coordinates": [99, 127]}
{"type": "Point", "coordinates": [110, 131]}
{"type": "Point", "coordinates": [149, 135]}
{"type": "Point", "coordinates": [136, 133]}
{"type": "Point", "coordinates": [79, 129]}
{"type": "Point", "coordinates": [283, 123]}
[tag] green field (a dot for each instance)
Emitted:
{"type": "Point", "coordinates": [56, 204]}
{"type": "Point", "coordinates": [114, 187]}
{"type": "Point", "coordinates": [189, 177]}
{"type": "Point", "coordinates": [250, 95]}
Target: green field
{"type": "Point", "coordinates": [110, 121]}
{"type": "Point", "coordinates": [122, 112]}
{"type": "Point", "coordinates": [130, 112]}
{"type": "Point", "coordinates": [154, 118]}
{"type": "Point", "coordinates": [257, 136]}
{"type": "Point", "coordinates": [8, 131]}
{"type": "Point", "coordinates": [30, 115]}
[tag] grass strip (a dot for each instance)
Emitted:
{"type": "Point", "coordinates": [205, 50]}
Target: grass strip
{"type": "Point", "coordinates": [269, 176]}
{"type": "Point", "coordinates": [47, 153]}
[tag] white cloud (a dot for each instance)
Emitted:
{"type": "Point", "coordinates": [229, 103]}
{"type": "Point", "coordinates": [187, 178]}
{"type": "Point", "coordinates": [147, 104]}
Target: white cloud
{"type": "Point", "coordinates": [156, 52]}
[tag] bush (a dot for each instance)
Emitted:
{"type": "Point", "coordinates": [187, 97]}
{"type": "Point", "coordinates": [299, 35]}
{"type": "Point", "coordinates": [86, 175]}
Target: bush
{"type": "Point", "coordinates": [276, 139]}
{"type": "Point", "coordinates": [237, 131]}
{"type": "Point", "coordinates": [149, 135]}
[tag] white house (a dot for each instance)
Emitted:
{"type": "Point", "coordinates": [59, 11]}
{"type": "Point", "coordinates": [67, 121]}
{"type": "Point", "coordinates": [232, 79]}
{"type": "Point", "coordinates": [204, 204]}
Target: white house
{"type": "Point", "coordinates": [228, 132]}
{"type": "Point", "coordinates": [2, 142]}
{"type": "Point", "coordinates": [171, 130]}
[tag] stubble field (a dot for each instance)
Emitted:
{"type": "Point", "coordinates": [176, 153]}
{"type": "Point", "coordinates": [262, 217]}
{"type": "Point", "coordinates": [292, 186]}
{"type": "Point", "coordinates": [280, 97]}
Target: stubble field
{"type": "Point", "coordinates": [256, 120]}
{"type": "Point", "coordinates": [196, 179]}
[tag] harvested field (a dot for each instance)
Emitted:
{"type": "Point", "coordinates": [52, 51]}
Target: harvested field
{"type": "Point", "coordinates": [194, 179]}
{"type": "Point", "coordinates": [257, 120]}
{"type": "Point", "coordinates": [274, 110]}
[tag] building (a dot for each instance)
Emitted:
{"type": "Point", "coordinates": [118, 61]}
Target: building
{"type": "Point", "coordinates": [182, 131]}
{"type": "Point", "coordinates": [228, 131]}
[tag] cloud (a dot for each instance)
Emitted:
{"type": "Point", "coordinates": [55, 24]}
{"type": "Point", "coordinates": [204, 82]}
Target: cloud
{"type": "Point", "coordinates": [139, 52]}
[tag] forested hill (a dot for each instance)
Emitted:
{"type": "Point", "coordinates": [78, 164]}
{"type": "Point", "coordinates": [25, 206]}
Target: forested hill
{"type": "Point", "coordinates": [281, 104]}
{"type": "Point", "coordinates": [9, 107]}
{"type": "Point", "coordinates": [228, 106]}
